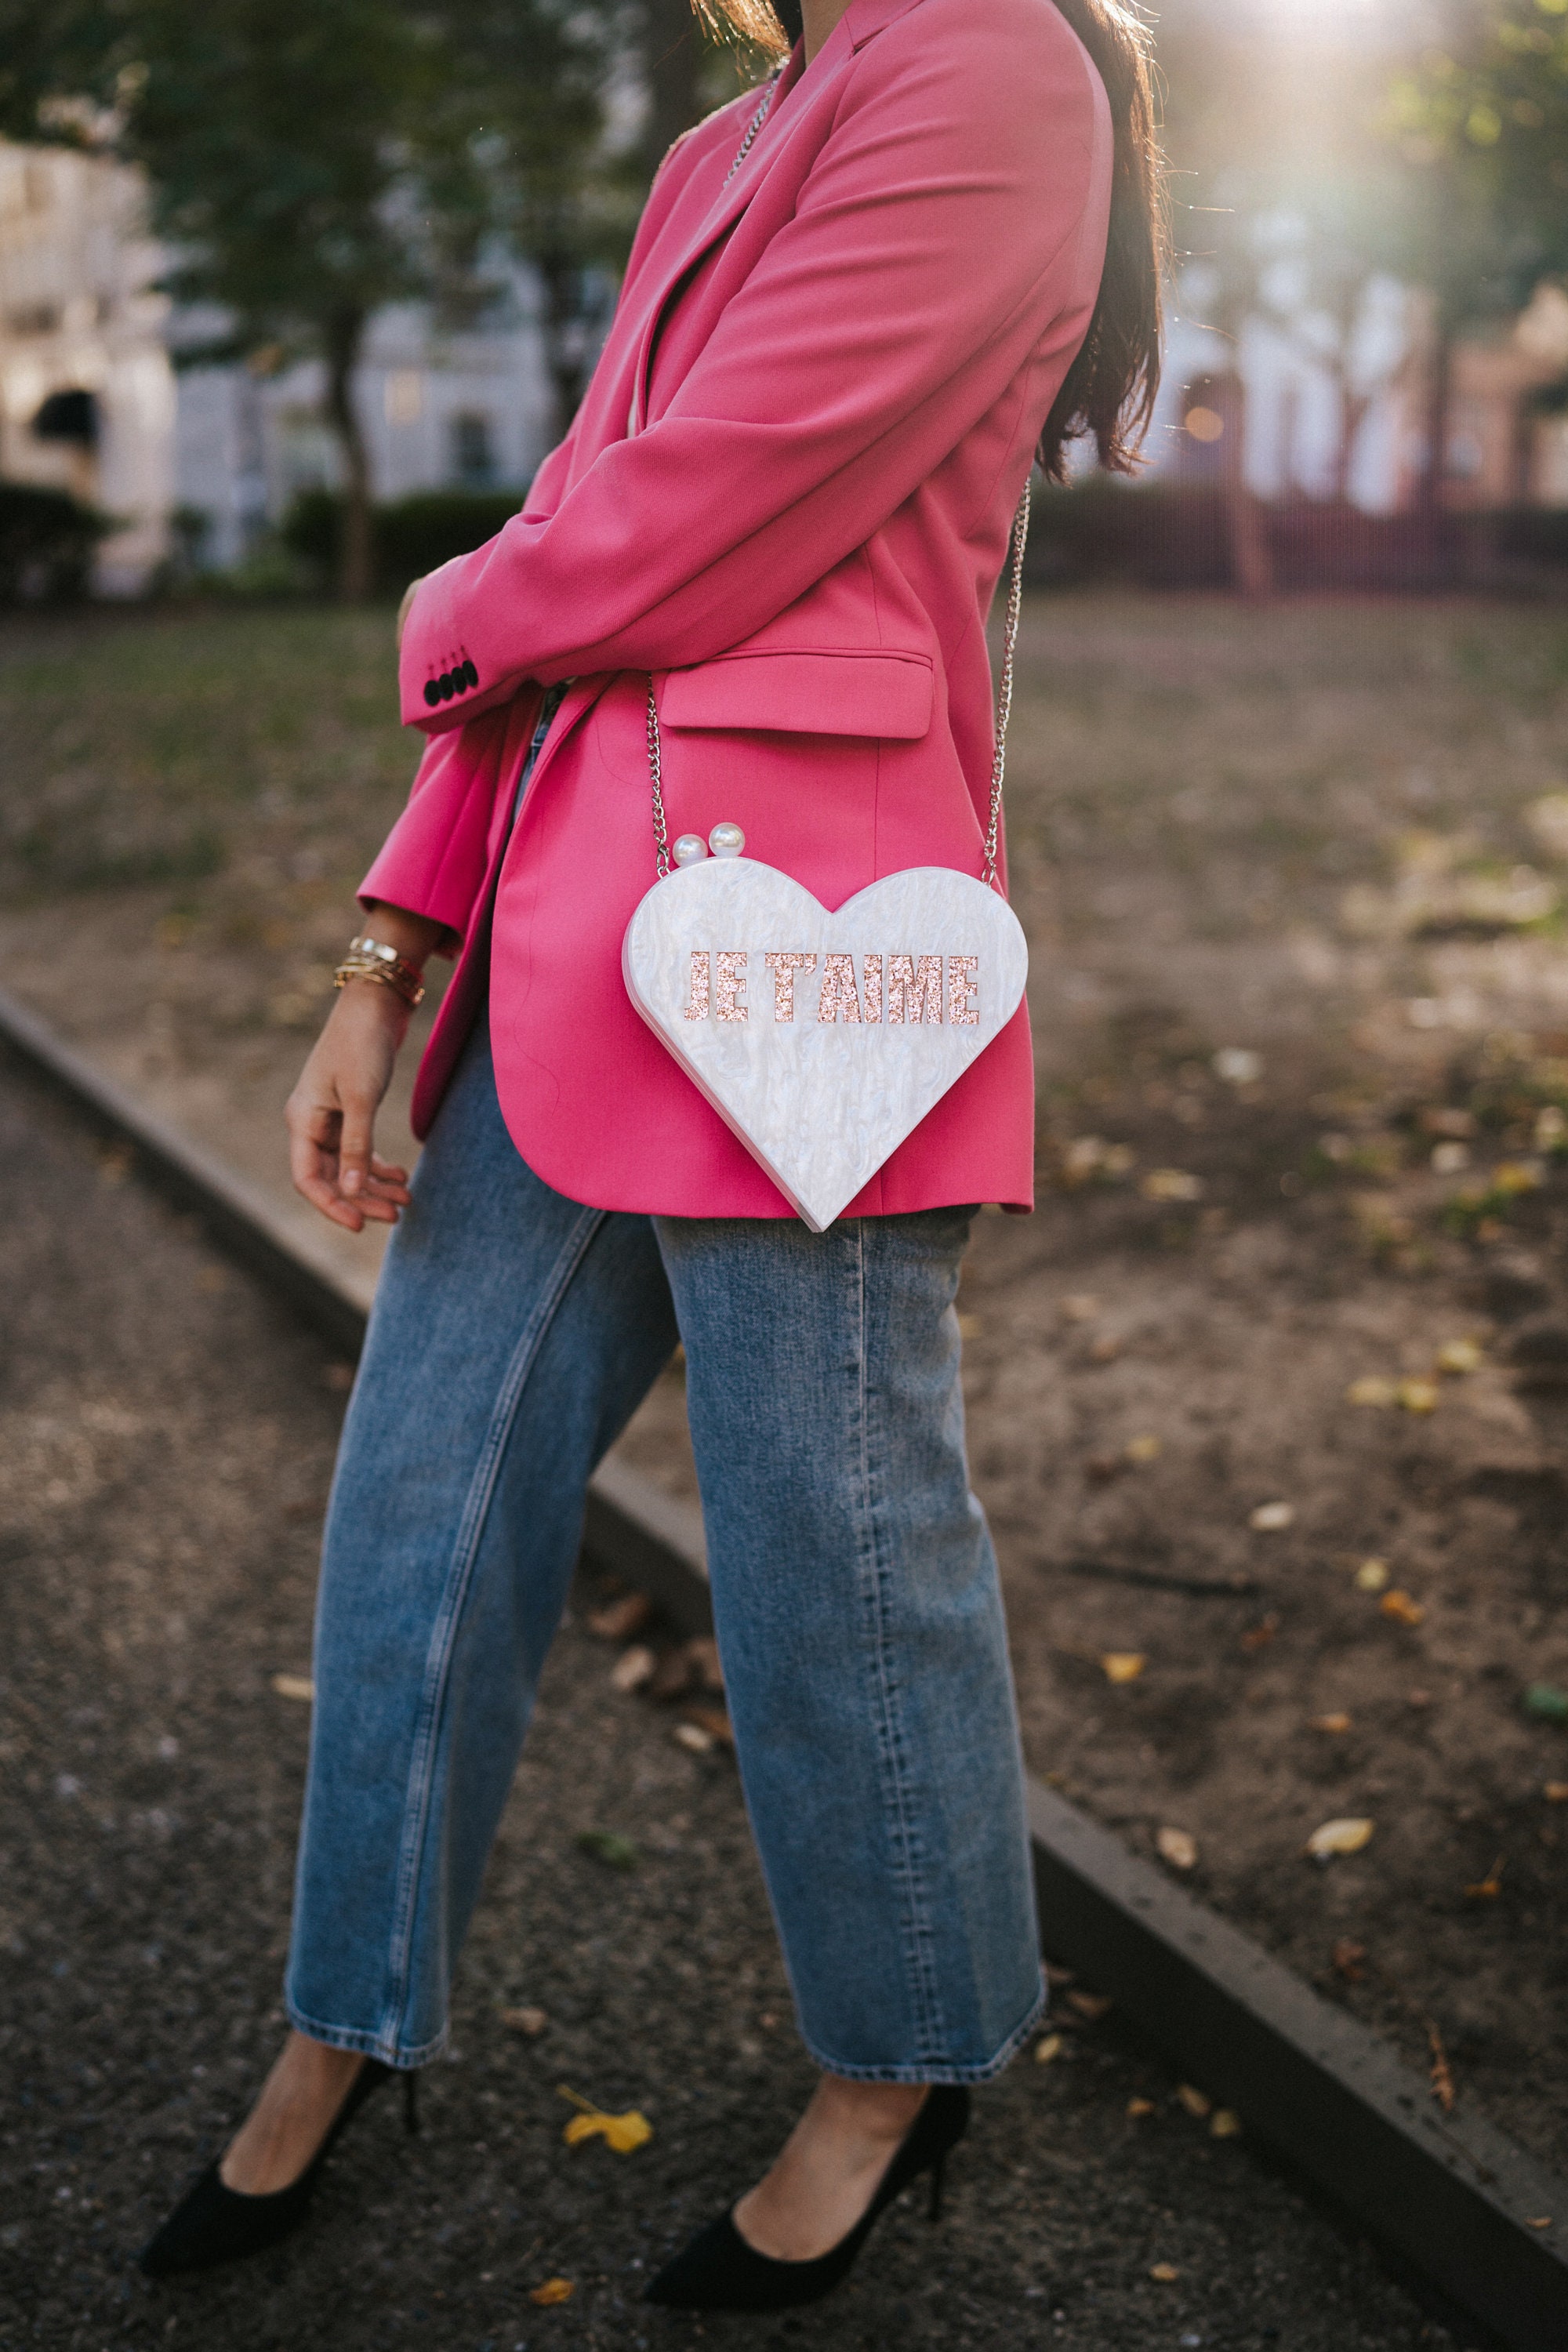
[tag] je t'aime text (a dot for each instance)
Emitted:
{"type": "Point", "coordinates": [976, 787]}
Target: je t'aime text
{"type": "Point", "coordinates": [911, 990]}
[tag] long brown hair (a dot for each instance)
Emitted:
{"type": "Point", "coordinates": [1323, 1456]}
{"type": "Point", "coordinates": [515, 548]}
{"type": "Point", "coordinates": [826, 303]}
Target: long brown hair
{"type": "Point", "coordinates": [1109, 391]}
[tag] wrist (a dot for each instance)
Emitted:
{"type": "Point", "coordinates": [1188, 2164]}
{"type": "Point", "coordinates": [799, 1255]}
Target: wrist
{"type": "Point", "coordinates": [415, 936]}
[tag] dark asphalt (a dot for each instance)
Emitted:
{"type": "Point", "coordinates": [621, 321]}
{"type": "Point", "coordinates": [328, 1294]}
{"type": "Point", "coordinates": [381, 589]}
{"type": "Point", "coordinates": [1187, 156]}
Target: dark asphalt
{"type": "Point", "coordinates": [165, 1441]}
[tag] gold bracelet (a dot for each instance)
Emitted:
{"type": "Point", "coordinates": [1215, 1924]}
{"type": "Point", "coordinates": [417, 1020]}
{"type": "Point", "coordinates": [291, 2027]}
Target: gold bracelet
{"type": "Point", "coordinates": [369, 958]}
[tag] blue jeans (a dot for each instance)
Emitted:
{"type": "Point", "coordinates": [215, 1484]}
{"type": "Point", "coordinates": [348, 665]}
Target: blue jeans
{"type": "Point", "coordinates": [855, 1597]}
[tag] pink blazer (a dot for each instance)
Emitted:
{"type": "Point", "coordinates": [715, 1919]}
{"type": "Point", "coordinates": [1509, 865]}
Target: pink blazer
{"type": "Point", "coordinates": [799, 536]}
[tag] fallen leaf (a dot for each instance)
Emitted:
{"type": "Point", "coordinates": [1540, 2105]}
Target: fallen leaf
{"type": "Point", "coordinates": [1488, 1889]}
{"type": "Point", "coordinates": [531, 2022]}
{"type": "Point", "coordinates": [1441, 2075]}
{"type": "Point", "coordinates": [1516, 1176]}
{"type": "Point", "coordinates": [1372, 1390]}
{"type": "Point", "coordinates": [609, 1847]}
{"type": "Point", "coordinates": [1163, 2272]}
{"type": "Point", "coordinates": [1337, 1722]}
{"type": "Point", "coordinates": [1555, 1792]}
{"type": "Point", "coordinates": [1090, 2006]}
{"type": "Point", "coordinates": [294, 1686]}
{"type": "Point", "coordinates": [1343, 1836]}
{"type": "Point", "coordinates": [1349, 1959]}
{"type": "Point", "coordinates": [1104, 1351]}
{"type": "Point", "coordinates": [1418, 1396]}
{"type": "Point", "coordinates": [1418, 1698]}
{"type": "Point", "coordinates": [1078, 1307]}
{"type": "Point", "coordinates": [693, 1738]}
{"type": "Point", "coordinates": [1224, 2124]}
{"type": "Point", "coordinates": [633, 1668]}
{"type": "Point", "coordinates": [1136, 2107]}
{"type": "Point", "coordinates": [1450, 1159]}
{"type": "Point", "coordinates": [1371, 1576]}
{"type": "Point", "coordinates": [619, 1620]}
{"type": "Point", "coordinates": [1049, 2046]}
{"type": "Point", "coordinates": [555, 2290]}
{"type": "Point", "coordinates": [676, 1672]}
{"type": "Point", "coordinates": [970, 1326]}
{"type": "Point", "coordinates": [1400, 1605]}
{"type": "Point", "coordinates": [623, 2133]}
{"type": "Point", "coordinates": [1538, 2221]}
{"type": "Point", "coordinates": [1258, 1636]}
{"type": "Point", "coordinates": [1547, 1701]}
{"type": "Point", "coordinates": [1194, 2100]}
{"type": "Point", "coordinates": [1122, 1665]}
{"type": "Point", "coordinates": [1269, 1518]}
{"type": "Point", "coordinates": [1459, 1356]}
{"type": "Point", "coordinates": [715, 1722]}
{"type": "Point", "coordinates": [1177, 1848]}
{"type": "Point", "coordinates": [1144, 1449]}
{"type": "Point", "coordinates": [1171, 1184]}
{"type": "Point", "coordinates": [1238, 1065]}
{"type": "Point", "coordinates": [1443, 1122]}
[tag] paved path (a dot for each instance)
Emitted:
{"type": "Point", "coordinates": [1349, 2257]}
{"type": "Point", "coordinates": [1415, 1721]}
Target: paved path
{"type": "Point", "coordinates": [165, 1441]}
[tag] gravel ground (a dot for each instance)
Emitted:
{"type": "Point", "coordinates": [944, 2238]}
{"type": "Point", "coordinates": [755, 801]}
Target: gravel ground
{"type": "Point", "coordinates": [165, 1440]}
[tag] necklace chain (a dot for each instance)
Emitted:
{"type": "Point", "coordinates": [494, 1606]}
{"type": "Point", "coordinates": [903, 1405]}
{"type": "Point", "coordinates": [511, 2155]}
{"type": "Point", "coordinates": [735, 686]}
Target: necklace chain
{"type": "Point", "coordinates": [754, 125]}
{"type": "Point", "coordinates": [1020, 533]}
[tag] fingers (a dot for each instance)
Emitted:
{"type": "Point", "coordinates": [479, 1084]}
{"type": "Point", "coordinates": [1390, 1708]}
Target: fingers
{"type": "Point", "coordinates": [354, 1152]}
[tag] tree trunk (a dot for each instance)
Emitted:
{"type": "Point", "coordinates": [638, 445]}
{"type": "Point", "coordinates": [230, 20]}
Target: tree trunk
{"type": "Point", "coordinates": [566, 332]}
{"type": "Point", "coordinates": [1439, 407]}
{"type": "Point", "coordinates": [1251, 558]}
{"type": "Point", "coordinates": [356, 564]}
{"type": "Point", "coordinates": [674, 56]}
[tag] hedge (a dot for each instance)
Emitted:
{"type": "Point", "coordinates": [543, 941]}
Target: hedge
{"type": "Point", "coordinates": [46, 542]}
{"type": "Point", "coordinates": [410, 536]}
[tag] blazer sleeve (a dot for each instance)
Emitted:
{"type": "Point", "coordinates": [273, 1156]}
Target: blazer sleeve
{"type": "Point", "coordinates": [935, 240]}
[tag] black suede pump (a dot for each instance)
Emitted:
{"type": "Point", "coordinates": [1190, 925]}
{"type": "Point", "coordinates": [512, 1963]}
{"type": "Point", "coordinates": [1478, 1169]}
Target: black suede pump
{"type": "Point", "coordinates": [720, 2272]}
{"type": "Point", "coordinates": [213, 2224]}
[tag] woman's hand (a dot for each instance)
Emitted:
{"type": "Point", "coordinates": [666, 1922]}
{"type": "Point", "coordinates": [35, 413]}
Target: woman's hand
{"type": "Point", "coordinates": [331, 1114]}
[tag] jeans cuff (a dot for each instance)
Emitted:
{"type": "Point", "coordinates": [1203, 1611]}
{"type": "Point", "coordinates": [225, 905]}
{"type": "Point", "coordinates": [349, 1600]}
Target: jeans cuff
{"type": "Point", "coordinates": [937, 2069]}
{"type": "Point", "coordinates": [370, 2045]}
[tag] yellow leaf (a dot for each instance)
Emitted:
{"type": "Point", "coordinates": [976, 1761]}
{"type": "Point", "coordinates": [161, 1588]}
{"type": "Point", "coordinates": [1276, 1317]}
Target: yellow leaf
{"type": "Point", "coordinates": [530, 2021]}
{"type": "Point", "coordinates": [555, 2290]}
{"type": "Point", "coordinates": [1269, 1518]}
{"type": "Point", "coordinates": [1555, 1792]}
{"type": "Point", "coordinates": [1345, 1836]}
{"type": "Point", "coordinates": [1400, 1605]}
{"type": "Point", "coordinates": [692, 1736]}
{"type": "Point", "coordinates": [1370, 1390]}
{"type": "Point", "coordinates": [1418, 1396]}
{"type": "Point", "coordinates": [1459, 1356]}
{"type": "Point", "coordinates": [1194, 2100]}
{"type": "Point", "coordinates": [1078, 1307]}
{"type": "Point", "coordinates": [1143, 1449]}
{"type": "Point", "coordinates": [1338, 1722]}
{"type": "Point", "coordinates": [1122, 1665]}
{"type": "Point", "coordinates": [634, 1667]}
{"type": "Point", "coordinates": [1137, 2107]}
{"type": "Point", "coordinates": [1177, 1848]}
{"type": "Point", "coordinates": [1163, 2272]}
{"type": "Point", "coordinates": [1171, 1184]}
{"type": "Point", "coordinates": [298, 1686]}
{"type": "Point", "coordinates": [970, 1326]}
{"type": "Point", "coordinates": [1371, 1576]}
{"type": "Point", "coordinates": [1515, 1176]}
{"type": "Point", "coordinates": [623, 2133]}
{"type": "Point", "coordinates": [1224, 2124]}
{"type": "Point", "coordinates": [1049, 2046]}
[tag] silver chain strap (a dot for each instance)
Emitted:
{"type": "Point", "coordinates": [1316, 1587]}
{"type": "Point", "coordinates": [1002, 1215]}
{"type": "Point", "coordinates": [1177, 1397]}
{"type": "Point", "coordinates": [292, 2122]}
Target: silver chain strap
{"type": "Point", "coordinates": [754, 125]}
{"type": "Point", "coordinates": [1003, 712]}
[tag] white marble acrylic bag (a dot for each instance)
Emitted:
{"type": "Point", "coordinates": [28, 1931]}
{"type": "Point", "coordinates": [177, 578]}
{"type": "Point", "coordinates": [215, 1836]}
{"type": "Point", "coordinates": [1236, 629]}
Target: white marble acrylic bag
{"type": "Point", "coordinates": [822, 1039]}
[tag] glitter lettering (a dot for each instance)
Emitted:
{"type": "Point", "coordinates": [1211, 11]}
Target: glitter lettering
{"type": "Point", "coordinates": [961, 984]}
{"type": "Point", "coordinates": [837, 1001]}
{"type": "Point", "coordinates": [784, 963]}
{"type": "Point", "coordinates": [697, 1007]}
{"type": "Point", "coordinates": [914, 988]}
{"type": "Point", "coordinates": [731, 1004]}
{"type": "Point", "coordinates": [871, 969]}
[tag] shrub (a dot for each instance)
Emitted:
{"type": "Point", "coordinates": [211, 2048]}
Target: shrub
{"type": "Point", "coordinates": [47, 540]}
{"type": "Point", "coordinates": [411, 535]}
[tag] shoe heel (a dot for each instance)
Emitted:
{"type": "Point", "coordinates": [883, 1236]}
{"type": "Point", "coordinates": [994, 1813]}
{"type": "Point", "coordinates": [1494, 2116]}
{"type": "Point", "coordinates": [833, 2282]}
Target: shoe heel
{"type": "Point", "coordinates": [938, 2172]}
{"type": "Point", "coordinates": [411, 2103]}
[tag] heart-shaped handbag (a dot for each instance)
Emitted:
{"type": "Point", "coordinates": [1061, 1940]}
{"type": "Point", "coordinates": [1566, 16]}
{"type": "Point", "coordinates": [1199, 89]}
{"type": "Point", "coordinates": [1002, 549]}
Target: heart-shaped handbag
{"type": "Point", "coordinates": [822, 1039]}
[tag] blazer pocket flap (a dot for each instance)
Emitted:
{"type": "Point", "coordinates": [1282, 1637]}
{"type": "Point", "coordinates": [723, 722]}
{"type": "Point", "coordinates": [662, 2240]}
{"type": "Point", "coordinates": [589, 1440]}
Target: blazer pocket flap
{"type": "Point", "coordinates": [804, 693]}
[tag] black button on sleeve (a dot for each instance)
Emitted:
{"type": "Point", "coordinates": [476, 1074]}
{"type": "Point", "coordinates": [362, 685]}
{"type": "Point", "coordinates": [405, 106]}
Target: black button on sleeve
{"type": "Point", "coordinates": [471, 673]}
{"type": "Point", "coordinates": [444, 686]}
{"type": "Point", "coordinates": [432, 692]}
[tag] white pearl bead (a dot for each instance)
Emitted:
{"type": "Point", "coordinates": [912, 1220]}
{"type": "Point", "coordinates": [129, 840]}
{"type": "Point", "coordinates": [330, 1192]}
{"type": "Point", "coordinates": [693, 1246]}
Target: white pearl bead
{"type": "Point", "coordinates": [690, 850]}
{"type": "Point", "coordinates": [726, 841]}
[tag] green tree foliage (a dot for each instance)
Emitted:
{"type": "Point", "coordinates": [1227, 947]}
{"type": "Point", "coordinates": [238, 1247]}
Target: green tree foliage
{"type": "Point", "coordinates": [310, 161]}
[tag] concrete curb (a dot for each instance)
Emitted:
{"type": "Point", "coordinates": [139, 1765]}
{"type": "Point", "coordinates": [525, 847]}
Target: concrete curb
{"type": "Point", "coordinates": [1450, 2196]}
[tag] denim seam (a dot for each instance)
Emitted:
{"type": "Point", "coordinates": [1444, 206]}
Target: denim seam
{"type": "Point", "coordinates": [918, 1939]}
{"type": "Point", "coordinates": [444, 1634]}
{"type": "Point", "coordinates": [935, 2069]}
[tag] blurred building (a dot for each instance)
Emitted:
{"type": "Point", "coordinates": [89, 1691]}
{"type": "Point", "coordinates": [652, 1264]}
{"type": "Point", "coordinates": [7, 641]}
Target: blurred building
{"type": "Point", "coordinates": [92, 400]}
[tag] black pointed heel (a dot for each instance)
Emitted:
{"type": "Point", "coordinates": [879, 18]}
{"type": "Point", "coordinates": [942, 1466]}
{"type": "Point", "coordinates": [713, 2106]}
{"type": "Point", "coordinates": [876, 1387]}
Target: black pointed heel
{"type": "Point", "coordinates": [720, 2272]}
{"type": "Point", "coordinates": [212, 2223]}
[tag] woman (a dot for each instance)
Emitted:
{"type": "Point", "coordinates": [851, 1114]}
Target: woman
{"type": "Point", "coordinates": [852, 313]}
